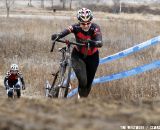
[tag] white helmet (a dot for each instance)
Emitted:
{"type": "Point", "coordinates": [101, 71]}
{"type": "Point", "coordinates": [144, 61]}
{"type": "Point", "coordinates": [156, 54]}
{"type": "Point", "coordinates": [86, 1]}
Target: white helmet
{"type": "Point", "coordinates": [14, 67]}
{"type": "Point", "coordinates": [84, 15]}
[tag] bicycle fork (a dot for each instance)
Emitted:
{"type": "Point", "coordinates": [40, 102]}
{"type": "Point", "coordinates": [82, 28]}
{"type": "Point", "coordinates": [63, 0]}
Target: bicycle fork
{"type": "Point", "coordinates": [63, 70]}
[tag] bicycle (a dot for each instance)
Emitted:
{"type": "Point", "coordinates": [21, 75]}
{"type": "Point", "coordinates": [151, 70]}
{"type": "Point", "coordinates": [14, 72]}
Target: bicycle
{"type": "Point", "coordinates": [61, 81]}
{"type": "Point", "coordinates": [16, 92]}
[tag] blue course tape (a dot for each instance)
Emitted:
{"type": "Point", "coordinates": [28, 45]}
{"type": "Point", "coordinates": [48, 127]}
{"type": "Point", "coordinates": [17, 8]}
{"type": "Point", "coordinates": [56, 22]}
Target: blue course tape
{"type": "Point", "coordinates": [124, 74]}
{"type": "Point", "coordinates": [127, 52]}
{"type": "Point", "coordinates": [124, 53]}
{"type": "Point", "coordinates": [131, 50]}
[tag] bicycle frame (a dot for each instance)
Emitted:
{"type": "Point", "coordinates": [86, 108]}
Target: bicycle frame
{"type": "Point", "coordinates": [65, 61]}
{"type": "Point", "coordinates": [62, 76]}
{"type": "Point", "coordinates": [63, 81]}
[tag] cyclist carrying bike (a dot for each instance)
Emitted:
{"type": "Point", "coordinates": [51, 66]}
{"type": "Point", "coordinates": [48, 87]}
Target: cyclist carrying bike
{"type": "Point", "coordinates": [14, 78]}
{"type": "Point", "coordinates": [85, 59]}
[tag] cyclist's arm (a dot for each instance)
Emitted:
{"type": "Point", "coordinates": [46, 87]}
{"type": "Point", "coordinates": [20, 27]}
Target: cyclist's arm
{"type": "Point", "coordinates": [66, 31]}
{"type": "Point", "coordinates": [97, 40]}
{"type": "Point", "coordinates": [5, 81]}
{"type": "Point", "coordinates": [21, 78]}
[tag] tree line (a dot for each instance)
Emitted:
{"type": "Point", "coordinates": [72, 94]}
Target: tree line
{"type": "Point", "coordinates": [10, 3]}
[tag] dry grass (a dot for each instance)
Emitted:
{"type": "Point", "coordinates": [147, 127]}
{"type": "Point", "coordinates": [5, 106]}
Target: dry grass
{"type": "Point", "coordinates": [91, 114]}
{"type": "Point", "coordinates": [27, 42]}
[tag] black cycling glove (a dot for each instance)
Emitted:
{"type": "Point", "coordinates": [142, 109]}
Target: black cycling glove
{"type": "Point", "coordinates": [94, 43]}
{"type": "Point", "coordinates": [23, 87]}
{"type": "Point", "coordinates": [55, 37]}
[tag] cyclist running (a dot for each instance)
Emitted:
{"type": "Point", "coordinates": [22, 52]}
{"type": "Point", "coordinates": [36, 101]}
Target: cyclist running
{"type": "Point", "coordinates": [85, 59]}
{"type": "Point", "coordinates": [14, 78]}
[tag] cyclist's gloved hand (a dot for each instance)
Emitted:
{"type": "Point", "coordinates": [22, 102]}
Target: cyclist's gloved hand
{"type": "Point", "coordinates": [55, 37]}
{"type": "Point", "coordinates": [95, 43]}
{"type": "Point", "coordinates": [23, 87]}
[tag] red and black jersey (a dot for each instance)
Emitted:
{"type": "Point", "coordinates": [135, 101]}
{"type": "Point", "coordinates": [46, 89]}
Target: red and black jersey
{"type": "Point", "coordinates": [93, 33]}
{"type": "Point", "coordinates": [12, 79]}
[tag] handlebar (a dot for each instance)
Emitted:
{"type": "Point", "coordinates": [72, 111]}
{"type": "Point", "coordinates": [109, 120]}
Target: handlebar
{"type": "Point", "coordinates": [53, 44]}
{"type": "Point", "coordinates": [67, 42]}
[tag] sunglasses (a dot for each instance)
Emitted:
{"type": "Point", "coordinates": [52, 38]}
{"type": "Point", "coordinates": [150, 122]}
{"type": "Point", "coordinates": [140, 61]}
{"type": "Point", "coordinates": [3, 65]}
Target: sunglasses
{"type": "Point", "coordinates": [13, 71]}
{"type": "Point", "coordinates": [85, 23]}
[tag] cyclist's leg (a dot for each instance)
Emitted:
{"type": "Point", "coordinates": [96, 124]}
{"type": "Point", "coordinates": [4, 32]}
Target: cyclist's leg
{"type": "Point", "coordinates": [79, 68]}
{"type": "Point", "coordinates": [91, 65]}
{"type": "Point", "coordinates": [18, 89]}
{"type": "Point", "coordinates": [10, 92]}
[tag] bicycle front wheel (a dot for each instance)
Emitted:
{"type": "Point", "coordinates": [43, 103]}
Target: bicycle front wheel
{"type": "Point", "coordinates": [65, 80]}
{"type": "Point", "coordinates": [54, 90]}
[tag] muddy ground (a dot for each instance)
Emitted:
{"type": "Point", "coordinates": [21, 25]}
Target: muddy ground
{"type": "Point", "coordinates": [93, 113]}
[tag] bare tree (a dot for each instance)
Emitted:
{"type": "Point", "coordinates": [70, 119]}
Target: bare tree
{"type": "Point", "coordinates": [64, 3]}
{"type": "Point", "coordinates": [30, 3]}
{"type": "Point", "coordinates": [70, 5]}
{"type": "Point", "coordinates": [120, 6]}
{"type": "Point", "coordinates": [42, 3]}
{"type": "Point", "coordinates": [8, 3]}
{"type": "Point", "coordinates": [116, 6]}
{"type": "Point", "coordinates": [52, 1]}
{"type": "Point", "coordinates": [53, 9]}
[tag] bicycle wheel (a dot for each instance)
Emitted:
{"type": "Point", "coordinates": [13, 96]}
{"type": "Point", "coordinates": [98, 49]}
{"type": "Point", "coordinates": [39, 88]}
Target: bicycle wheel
{"type": "Point", "coordinates": [60, 85]}
{"type": "Point", "coordinates": [54, 90]}
{"type": "Point", "coordinates": [65, 80]}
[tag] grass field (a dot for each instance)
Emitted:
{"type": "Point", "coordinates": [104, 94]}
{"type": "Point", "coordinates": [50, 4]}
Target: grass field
{"type": "Point", "coordinates": [27, 42]}
{"type": "Point", "coordinates": [133, 101]}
